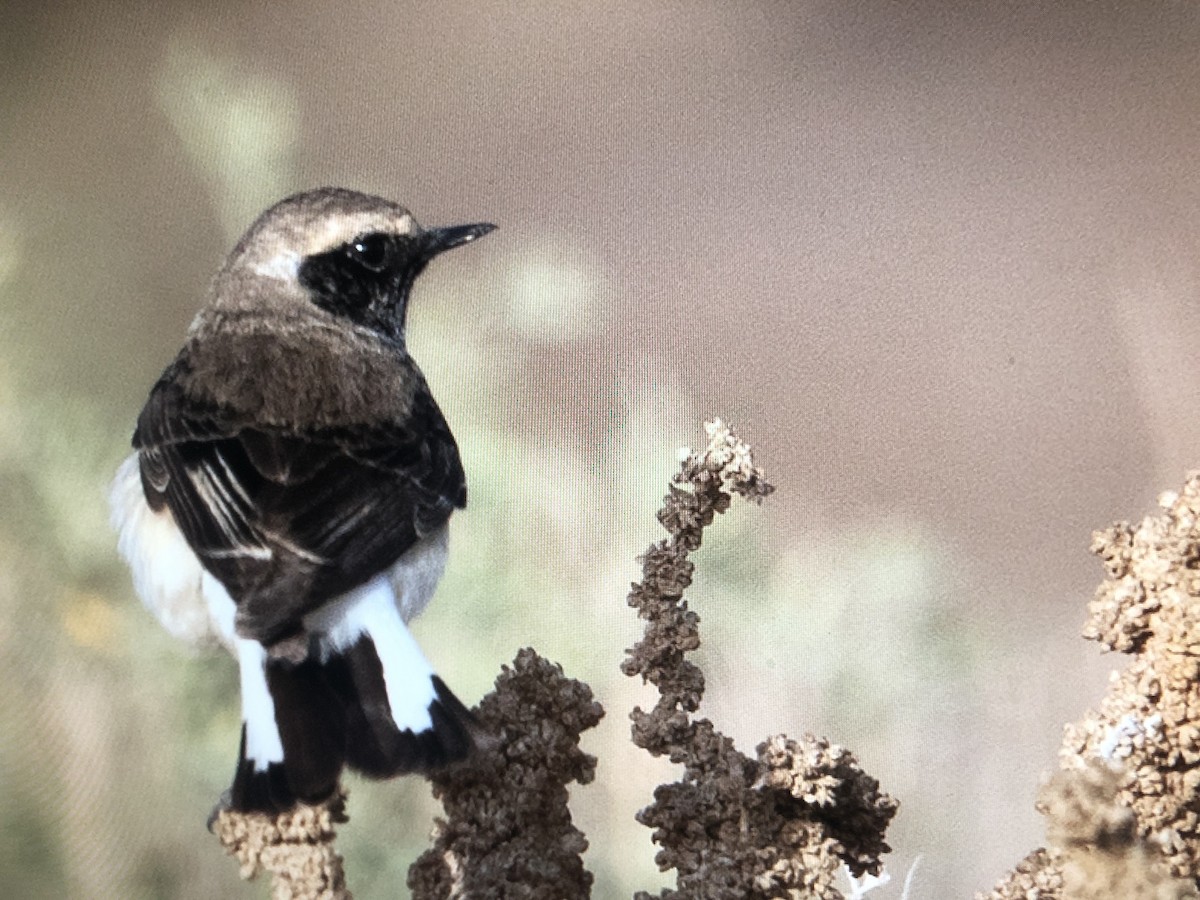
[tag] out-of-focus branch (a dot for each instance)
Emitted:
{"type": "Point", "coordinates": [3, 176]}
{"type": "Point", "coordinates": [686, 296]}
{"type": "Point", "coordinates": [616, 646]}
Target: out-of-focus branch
{"type": "Point", "coordinates": [736, 828]}
{"type": "Point", "coordinates": [1123, 818]}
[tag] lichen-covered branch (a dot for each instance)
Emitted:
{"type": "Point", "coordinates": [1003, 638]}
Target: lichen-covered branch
{"type": "Point", "coordinates": [1132, 768]}
{"type": "Point", "coordinates": [508, 831]}
{"type": "Point", "coordinates": [296, 848]}
{"type": "Point", "coordinates": [736, 828]}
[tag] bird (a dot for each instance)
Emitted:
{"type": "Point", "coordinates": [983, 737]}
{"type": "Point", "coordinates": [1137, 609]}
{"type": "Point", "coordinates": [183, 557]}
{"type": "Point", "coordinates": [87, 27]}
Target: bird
{"type": "Point", "coordinates": [289, 492]}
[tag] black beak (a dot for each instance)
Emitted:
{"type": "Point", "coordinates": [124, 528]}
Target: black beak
{"type": "Point", "coordinates": [438, 240]}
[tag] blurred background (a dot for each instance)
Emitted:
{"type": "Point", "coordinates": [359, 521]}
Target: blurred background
{"type": "Point", "coordinates": [936, 261]}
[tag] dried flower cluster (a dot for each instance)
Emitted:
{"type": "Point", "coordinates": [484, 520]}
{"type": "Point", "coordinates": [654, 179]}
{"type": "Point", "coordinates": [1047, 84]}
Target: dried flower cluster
{"type": "Point", "coordinates": [1094, 849]}
{"type": "Point", "coordinates": [1126, 813]}
{"type": "Point", "coordinates": [508, 831]}
{"type": "Point", "coordinates": [1100, 853]}
{"type": "Point", "coordinates": [1037, 877]}
{"type": "Point", "coordinates": [296, 847]}
{"type": "Point", "coordinates": [1149, 721]}
{"type": "Point", "coordinates": [733, 827]}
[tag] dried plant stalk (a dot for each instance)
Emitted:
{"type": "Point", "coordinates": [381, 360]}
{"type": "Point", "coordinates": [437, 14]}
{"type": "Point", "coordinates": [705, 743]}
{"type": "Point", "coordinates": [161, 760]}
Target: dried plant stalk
{"type": "Point", "coordinates": [736, 828]}
{"type": "Point", "coordinates": [508, 830]}
{"type": "Point", "coordinates": [1094, 850]}
{"type": "Point", "coordinates": [1132, 768]}
{"type": "Point", "coordinates": [296, 847]}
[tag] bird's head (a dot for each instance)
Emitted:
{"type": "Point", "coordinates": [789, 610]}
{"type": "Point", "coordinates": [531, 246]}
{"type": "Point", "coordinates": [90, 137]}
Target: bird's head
{"type": "Point", "coordinates": [353, 255]}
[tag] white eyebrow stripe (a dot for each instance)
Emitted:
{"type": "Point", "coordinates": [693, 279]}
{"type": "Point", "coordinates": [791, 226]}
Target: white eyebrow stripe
{"type": "Point", "coordinates": [283, 266]}
{"type": "Point", "coordinates": [340, 229]}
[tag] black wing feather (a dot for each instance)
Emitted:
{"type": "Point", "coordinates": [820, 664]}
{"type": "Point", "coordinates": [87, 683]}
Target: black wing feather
{"type": "Point", "coordinates": [287, 520]}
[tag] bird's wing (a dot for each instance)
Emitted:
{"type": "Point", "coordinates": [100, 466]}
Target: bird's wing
{"type": "Point", "coordinates": [286, 519]}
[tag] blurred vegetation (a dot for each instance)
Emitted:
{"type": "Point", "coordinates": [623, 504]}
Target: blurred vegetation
{"type": "Point", "coordinates": [115, 742]}
{"type": "Point", "coordinates": [240, 130]}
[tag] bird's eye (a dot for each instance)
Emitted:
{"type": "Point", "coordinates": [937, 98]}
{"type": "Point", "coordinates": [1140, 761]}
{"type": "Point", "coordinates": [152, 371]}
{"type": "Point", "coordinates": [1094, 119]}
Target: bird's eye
{"type": "Point", "coordinates": [370, 251]}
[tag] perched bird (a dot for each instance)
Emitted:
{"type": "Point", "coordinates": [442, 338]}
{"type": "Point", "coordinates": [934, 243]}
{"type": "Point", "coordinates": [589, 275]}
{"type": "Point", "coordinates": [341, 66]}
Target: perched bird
{"type": "Point", "coordinates": [289, 494]}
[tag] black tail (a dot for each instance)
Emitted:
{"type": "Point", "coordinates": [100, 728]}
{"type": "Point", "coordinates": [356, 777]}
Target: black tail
{"type": "Point", "coordinates": [336, 713]}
